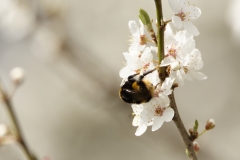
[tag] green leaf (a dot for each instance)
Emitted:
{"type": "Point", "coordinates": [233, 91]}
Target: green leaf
{"type": "Point", "coordinates": [195, 128]}
{"type": "Point", "coordinates": [144, 17]}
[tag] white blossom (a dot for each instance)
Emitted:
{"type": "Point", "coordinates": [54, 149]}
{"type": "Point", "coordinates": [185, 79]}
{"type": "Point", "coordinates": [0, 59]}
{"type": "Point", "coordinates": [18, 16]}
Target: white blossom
{"type": "Point", "coordinates": [157, 112]}
{"type": "Point", "coordinates": [137, 62]}
{"type": "Point", "coordinates": [165, 88]}
{"type": "Point", "coordinates": [184, 13]}
{"type": "Point", "coordinates": [138, 39]}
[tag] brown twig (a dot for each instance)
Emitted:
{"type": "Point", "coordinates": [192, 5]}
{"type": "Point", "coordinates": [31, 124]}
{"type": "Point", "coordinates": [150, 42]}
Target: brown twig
{"type": "Point", "coordinates": [178, 122]}
{"type": "Point", "coordinates": [16, 126]}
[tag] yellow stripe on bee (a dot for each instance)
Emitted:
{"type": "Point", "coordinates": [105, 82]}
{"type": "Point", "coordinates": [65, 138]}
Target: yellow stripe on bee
{"type": "Point", "coordinates": [135, 86]}
{"type": "Point", "coordinates": [119, 93]}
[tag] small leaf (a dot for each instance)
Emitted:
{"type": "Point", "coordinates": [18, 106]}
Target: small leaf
{"type": "Point", "coordinates": [195, 128]}
{"type": "Point", "coordinates": [143, 15]}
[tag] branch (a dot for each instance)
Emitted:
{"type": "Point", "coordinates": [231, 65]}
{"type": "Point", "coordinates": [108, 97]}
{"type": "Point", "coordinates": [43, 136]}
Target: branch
{"type": "Point", "coordinates": [16, 126]}
{"type": "Point", "coordinates": [161, 28]}
{"type": "Point", "coordinates": [178, 122]}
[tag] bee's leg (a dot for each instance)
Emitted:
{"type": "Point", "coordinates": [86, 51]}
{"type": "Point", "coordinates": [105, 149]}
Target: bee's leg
{"type": "Point", "coordinates": [130, 77]}
{"type": "Point", "coordinates": [146, 73]}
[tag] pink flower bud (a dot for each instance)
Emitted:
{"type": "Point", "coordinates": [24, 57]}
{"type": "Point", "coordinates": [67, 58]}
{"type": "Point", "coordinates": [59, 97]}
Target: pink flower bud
{"type": "Point", "coordinates": [210, 124]}
{"type": "Point", "coordinates": [196, 146]}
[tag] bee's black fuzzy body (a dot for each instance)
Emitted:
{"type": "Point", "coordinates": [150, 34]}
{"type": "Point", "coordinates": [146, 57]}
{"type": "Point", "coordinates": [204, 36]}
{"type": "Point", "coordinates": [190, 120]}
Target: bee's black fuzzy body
{"type": "Point", "coordinates": [137, 91]}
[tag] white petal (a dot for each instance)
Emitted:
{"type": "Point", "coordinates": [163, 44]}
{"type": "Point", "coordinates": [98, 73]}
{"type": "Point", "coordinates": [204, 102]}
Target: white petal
{"type": "Point", "coordinates": [167, 61]}
{"type": "Point", "coordinates": [168, 114]}
{"type": "Point", "coordinates": [137, 109]}
{"type": "Point", "coordinates": [191, 28]}
{"type": "Point", "coordinates": [153, 78]}
{"type": "Point", "coordinates": [140, 130]}
{"type": "Point", "coordinates": [179, 77]}
{"type": "Point", "coordinates": [177, 21]}
{"type": "Point", "coordinates": [135, 121]}
{"type": "Point", "coordinates": [141, 27]}
{"type": "Point", "coordinates": [154, 49]}
{"type": "Point", "coordinates": [197, 75]}
{"type": "Point", "coordinates": [188, 76]}
{"type": "Point", "coordinates": [167, 84]}
{"type": "Point", "coordinates": [134, 47]}
{"type": "Point", "coordinates": [146, 115]}
{"type": "Point", "coordinates": [125, 72]}
{"type": "Point", "coordinates": [193, 12]}
{"type": "Point", "coordinates": [168, 32]}
{"type": "Point", "coordinates": [133, 27]}
{"type": "Point", "coordinates": [164, 101]}
{"type": "Point", "coordinates": [157, 122]}
{"type": "Point", "coordinates": [181, 3]}
{"type": "Point", "coordinates": [174, 6]}
{"type": "Point", "coordinates": [191, 45]}
{"type": "Point", "coordinates": [146, 56]}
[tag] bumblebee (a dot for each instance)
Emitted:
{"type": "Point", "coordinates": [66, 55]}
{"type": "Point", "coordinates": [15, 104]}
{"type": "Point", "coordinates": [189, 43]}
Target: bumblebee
{"type": "Point", "coordinates": [136, 90]}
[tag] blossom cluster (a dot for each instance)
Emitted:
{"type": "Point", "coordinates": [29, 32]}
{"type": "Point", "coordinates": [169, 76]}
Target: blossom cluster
{"type": "Point", "coordinates": [182, 59]}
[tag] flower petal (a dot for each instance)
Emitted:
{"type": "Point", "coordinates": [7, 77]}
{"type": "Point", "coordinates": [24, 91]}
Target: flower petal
{"type": "Point", "coordinates": [181, 3]}
{"type": "Point", "coordinates": [157, 122]}
{"type": "Point", "coordinates": [140, 130]}
{"type": "Point", "coordinates": [193, 12]}
{"type": "Point", "coordinates": [177, 21]}
{"type": "Point", "coordinates": [191, 28]}
{"type": "Point", "coordinates": [154, 49]}
{"type": "Point", "coordinates": [133, 27]}
{"type": "Point", "coordinates": [125, 72]}
{"type": "Point", "coordinates": [180, 78]}
{"type": "Point", "coordinates": [141, 27]}
{"type": "Point", "coordinates": [146, 115]}
{"type": "Point", "coordinates": [135, 121]}
{"type": "Point", "coordinates": [168, 114]}
{"type": "Point", "coordinates": [197, 75]}
{"type": "Point", "coordinates": [167, 61]}
{"type": "Point", "coordinates": [174, 5]}
{"type": "Point", "coordinates": [163, 99]}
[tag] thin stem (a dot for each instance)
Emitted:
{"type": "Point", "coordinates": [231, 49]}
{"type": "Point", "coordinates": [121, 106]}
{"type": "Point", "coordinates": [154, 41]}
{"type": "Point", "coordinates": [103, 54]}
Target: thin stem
{"type": "Point", "coordinates": [160, 30]}
{"type": "Point", "coordinates": [202, 133]}
{"type": "Point", "coordinates": [178, 122]}
{"type": "Point", "coordinates": [16, 126]}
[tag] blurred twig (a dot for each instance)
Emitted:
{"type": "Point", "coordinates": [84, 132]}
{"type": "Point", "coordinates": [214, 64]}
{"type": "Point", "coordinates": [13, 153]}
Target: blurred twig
{"type": "Point", "coordinates": [16, 127]}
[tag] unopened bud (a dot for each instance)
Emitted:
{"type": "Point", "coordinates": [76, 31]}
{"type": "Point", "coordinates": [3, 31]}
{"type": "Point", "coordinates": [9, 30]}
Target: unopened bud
{"type": "Point", "coordinates": [210, 124]}
{"type": "Point", "coordinates": [3, 130]}
{"type": "Point", "coordinates": [196, 146]}
{"type": "Point", "coordinates": [17, 75]}
{"type": "Point", "coordinates": [143, 15]}
{"type": "Point", "coordinates": [175, 66]}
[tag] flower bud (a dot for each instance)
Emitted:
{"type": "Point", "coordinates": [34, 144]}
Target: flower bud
{"type": "Point", "coordinates": [196, 146]}
{"type": "Point", "coordinates": [143, 15]}
{"type": "Point", "coordinates": [3, 130]}
{"type": "Point", "coordinates": [210, 124]}
{"type": "Point", "coordinates": [17, 75]}
{"type": "Point", "coordinates": [175, 66]}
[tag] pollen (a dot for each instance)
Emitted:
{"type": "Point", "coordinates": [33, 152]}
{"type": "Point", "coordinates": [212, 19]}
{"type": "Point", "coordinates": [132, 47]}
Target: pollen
{"type": "Point", "coordinates": [159, 111]}
{"type": "Point", "coordinates": [182, 15]}
{"type": "Point", "coordinates": [172, 52]}
{"type": "Point", "coordinates": [143, 40]}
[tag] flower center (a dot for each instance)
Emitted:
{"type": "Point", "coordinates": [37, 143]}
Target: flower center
{"type": "Point", "coordinates": [172, 52]}
{"type": "Point", "coordinates": [182, 15]}
{"type": "Point", "coordinates": [143, 40]}
{"type": "Point", "coordinates": [159, 111]}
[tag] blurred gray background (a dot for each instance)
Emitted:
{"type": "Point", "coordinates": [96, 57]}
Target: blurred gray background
{"type": "Point", "coordinates": [68, 106]}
